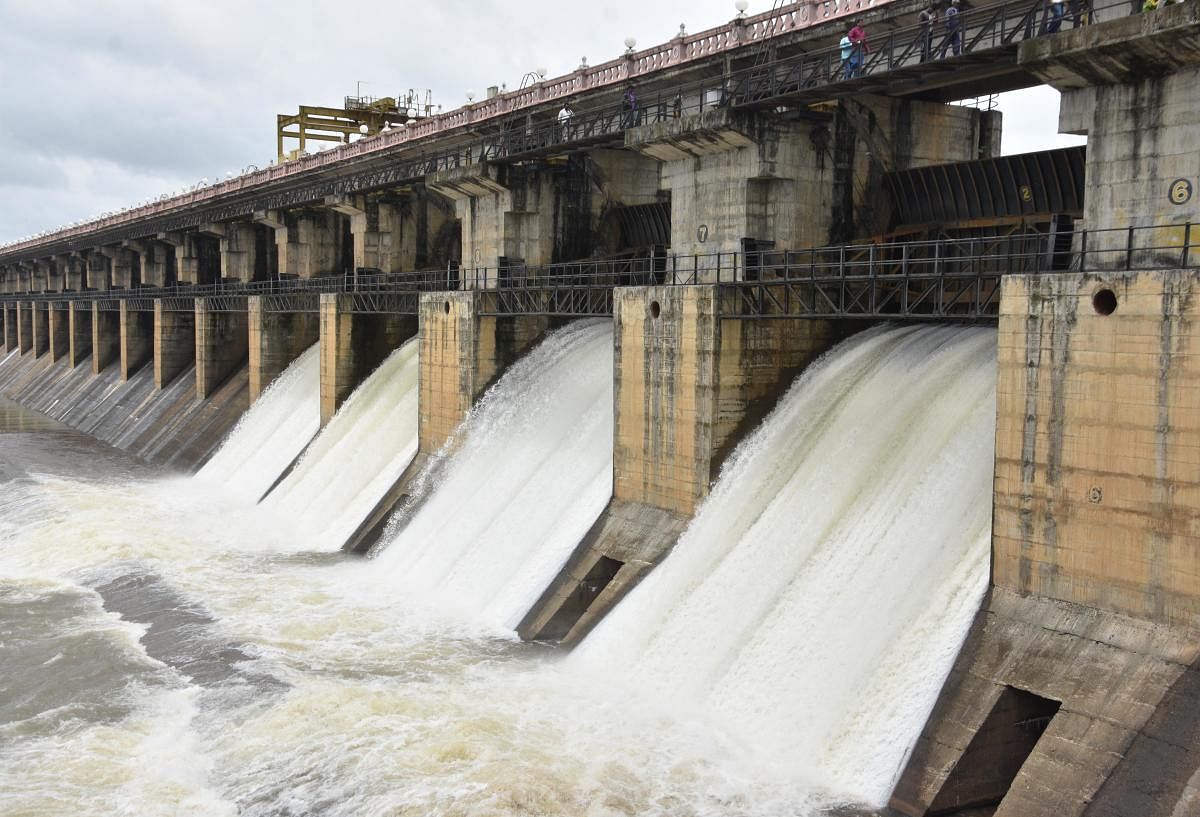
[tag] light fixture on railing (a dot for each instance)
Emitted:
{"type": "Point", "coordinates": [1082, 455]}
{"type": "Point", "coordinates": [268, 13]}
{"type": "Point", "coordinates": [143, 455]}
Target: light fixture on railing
{"type": "Point", "coordinates": [741, 6]}
{"type": "Point", "coordinates": [363, 129]}
{"type": "Point", "coordinates": [583, 64]}
{"type": "Point", "coordinates": [541, 72]}
{"type": "Point", "coordinates": [470, 97]}
{"type": "Point", "coordinates": [631, 43]}
{"type": "Point", "coordinates": [682, 30]}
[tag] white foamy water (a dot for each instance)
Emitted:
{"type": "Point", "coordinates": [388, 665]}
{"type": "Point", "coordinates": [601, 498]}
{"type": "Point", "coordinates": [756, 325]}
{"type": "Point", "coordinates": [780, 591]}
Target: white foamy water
{"type": "Point", "coordinates": [530, 473]}
{"type": "Point", "coordinates": [269, 437]}
{"type": "Point", "coordinates": [378, 702]}
{"type": "Point", "coordinates": [816, 603]}
{"type": "Point", "coordinates": [355, 460]}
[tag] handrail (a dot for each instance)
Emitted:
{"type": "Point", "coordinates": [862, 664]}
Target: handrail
{"type": "Point", "coordinates": [1164, 246]}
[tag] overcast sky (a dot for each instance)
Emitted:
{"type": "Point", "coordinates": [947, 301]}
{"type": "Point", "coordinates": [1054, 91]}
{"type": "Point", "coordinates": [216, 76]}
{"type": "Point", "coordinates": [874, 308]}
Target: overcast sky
{"type": "Point", "coordinates": [108, 102]}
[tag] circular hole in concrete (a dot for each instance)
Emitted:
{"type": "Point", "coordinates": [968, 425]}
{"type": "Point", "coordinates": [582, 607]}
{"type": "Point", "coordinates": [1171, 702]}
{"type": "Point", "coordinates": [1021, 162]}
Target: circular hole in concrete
{"type": "Point", "coordinates": [1105, 302]}
{"type": "Point", "coordinates": [655, 309]}
{"type": "Point", "coordinates": [447, 307]}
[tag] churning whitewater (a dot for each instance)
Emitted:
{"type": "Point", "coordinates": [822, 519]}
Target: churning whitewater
{"type": "Point", "coordinates": [526, 476]}
{"type": "Point", "coordinates": [355, 459]}
{"type": "Point", "coordinates": [269, 437]}
{"type": "Point", "coordinates": [157, 658]}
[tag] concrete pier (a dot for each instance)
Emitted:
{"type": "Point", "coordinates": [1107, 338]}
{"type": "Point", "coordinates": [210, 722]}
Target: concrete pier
{"type": "Point", "coordinates": [40, 322]}
{"type": "Point", "coordinates": [221, 346]}
{"type": "Point", "coordinates": [1094, 603]}
{"type": "Point", "coordinates": [10, 327]}
{"type": "Point", "coordinates": [25, 326]}
{"type": "Point", "coordinates": [174, 342]}
{"type": "Point", "coordinates": [462, 353]}
{"type": "Point", "coordinates": [276, 339]}
{"type": "Point", "coordinates": [352, 346]}
{"type": "Point", "coordinates": [79, 327]}
{"type": "Point", "coordinates": [689, 384]}
{"type": "Point", "coordinates": [136, 339]}
{"type": "Point", "coordinates": [60, 335]}
{"type": "Point", "coordinates": [106, 338]}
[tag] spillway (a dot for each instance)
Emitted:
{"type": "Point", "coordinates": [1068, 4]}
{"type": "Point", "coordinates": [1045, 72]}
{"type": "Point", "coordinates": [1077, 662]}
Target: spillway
{"type": "Point", "coordinates": [355, 459]}
{"type": "Point", "coordinates": [269, 437]}
{"type": "Point", "coordinates": [531, 469]}
{"type": "Point", "coordinates": [817, 601]}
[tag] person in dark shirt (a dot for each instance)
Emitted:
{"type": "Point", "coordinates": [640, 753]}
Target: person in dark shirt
{"type": "Point", "coordinates": [859, 49]}
{"type": "Point", "coordinates": [953, 29]}
{"type": "Point", "coordinates": [927, 20]}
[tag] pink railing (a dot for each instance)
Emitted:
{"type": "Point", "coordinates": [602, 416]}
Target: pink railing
{"type": "Point", "coordinates": [680, 51]}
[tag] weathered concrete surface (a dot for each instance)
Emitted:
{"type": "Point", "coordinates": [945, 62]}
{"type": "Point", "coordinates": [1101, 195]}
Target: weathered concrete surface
{"type": "Point", "coordinates": [79, 327]}
{"type": "Point", "coordinates": [106, 338]}
{"type": "Point", "coordinates": [40, 322]}
{"type": "Point", "coordinates": [1097, 495]}
{"type": "Point", "coordinates": [688, 385]}
{"type": "Point", "coordinates": [1133, 86]}
{"type": "Point", "coordinates": [136, 340]}
{"type": "Point", "coordinates": [239, 251]}
{"type": "Point", "coordinates": [10, 327]}
{"type": "Point", "coordinates": [1095, 599]}
{"type": "Point", "coordinates": [25, 326]}
{"type": "Point", "coordinates": [1122, 682]}
{"type": "Point", "coordinates": [276, 339]}
{"type": "Point", "coordinates": [174, 343]}
{"type": "Point", "coordinates": [307, 242]}
{"type": "Point", "coordinates": [59, 330]}
{"type": "Point", "coordinates": [222, 347]}
{"type": "Point", "coordinates": [353, 346]}
{"type": "Point", "coordinates": [462, 353]}
{"type": "Point", "coordinates": [165, 426]}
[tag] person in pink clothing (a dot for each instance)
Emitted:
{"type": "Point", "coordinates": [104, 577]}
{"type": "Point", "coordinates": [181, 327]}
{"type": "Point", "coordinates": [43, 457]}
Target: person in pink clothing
{"type": "Point", "coordinates": [859, 48]}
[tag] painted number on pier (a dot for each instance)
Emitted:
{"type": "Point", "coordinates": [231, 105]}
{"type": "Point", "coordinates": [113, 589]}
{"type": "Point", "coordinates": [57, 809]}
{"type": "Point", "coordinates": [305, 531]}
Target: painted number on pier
{"type": "Point", "coordinates": [1181, 191]}
{"type": "Point", "coordinates": [702, 233]}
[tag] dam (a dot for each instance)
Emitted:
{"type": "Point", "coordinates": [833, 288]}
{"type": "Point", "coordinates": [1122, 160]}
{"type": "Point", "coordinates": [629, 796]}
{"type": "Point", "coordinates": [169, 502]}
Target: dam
{"type": "Point", "coordinates": [756, 438]}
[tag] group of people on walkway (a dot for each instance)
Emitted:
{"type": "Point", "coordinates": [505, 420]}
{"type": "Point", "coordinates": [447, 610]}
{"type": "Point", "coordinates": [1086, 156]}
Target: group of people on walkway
{"type": "Point", "coordinates": [855, 48]}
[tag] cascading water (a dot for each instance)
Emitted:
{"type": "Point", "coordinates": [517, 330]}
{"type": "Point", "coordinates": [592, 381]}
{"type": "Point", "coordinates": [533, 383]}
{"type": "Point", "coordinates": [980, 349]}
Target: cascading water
{"type": "Point", "coordinates": [791, 643]}
{"type": "Point", "coordinates": [269, 437]}
{"type": "Point", "coordinates": [355, 459]}
{"type": "Point", "coordinates": [816, 602]}
{"type": "Point", "coordinates": [531, 473]}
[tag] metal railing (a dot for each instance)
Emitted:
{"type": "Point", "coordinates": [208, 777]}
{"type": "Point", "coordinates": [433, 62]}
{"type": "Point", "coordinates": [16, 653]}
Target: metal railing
{"type": "Point", "coordinates": [935, 279]}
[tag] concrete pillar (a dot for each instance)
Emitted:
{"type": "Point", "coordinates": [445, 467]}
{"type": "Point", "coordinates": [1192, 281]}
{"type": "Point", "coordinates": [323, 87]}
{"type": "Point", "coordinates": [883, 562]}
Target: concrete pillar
{"type": "Point", "coordinates": [221, 346]}
{"type": "Point", "coordinates": [60, 335]}
{"type": "Point", "coordinates": [106, 338]}
{"type": "Point", "coordinates": [48, 275]}
{"type": "Point", "coordinates": [10, 327]}
{"type": "Point", "coordinates": [462, 354]}
{"type": "Point", "coordinates": [1132, 86]}
{"type": "Point", "coordinates": [689, 385]}
{"type": "Point", "coordinates": [125, 264]}
{"type": "Point", "coordinates": [79, 327]}
{"type": "Point", "coordinates": [276, 339]}
{"type": "Point", "coordinates": [239, 251]}
{"type": "Point", "coordinates": [306, 242]}
{"type": "Point", "coordinates": [74, 268]}
{"type": "Point", "coordinates": [506, 213]}
{"type": "Point", "coordinates": [99, 271]}
{"type": "Point", "coordinates": [378, 230]}
{"type": "Point", "coordinates": [137, 339]}
{"type": "Point", "coordinates": [174, 342]}
{"type": "Point", "coordinates": [41, 328]}
{"type": "Point", "coordinates": [353, 346]}
{"type": "Point", "coordinates": [25, 326]}
{"type": "Point", "coordinates": [157, 261]}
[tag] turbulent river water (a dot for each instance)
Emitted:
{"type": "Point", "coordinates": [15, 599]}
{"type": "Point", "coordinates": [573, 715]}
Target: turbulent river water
{"type": "Point", "coordinates": [167, 648]}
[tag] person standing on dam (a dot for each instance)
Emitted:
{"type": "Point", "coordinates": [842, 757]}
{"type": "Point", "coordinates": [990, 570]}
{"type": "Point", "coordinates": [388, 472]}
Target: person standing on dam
{"type": "Point", "coordinates": [859, 48]}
